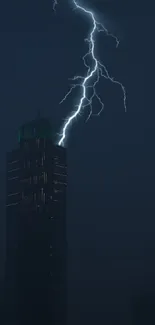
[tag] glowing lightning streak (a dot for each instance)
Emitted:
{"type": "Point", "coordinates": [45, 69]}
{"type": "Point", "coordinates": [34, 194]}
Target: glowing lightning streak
{"type": "Point", "coordinates": [99, 70]}
{"type": "Point", "coordinates": [55, 2]}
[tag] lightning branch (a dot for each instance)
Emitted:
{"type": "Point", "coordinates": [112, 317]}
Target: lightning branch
{"type": "Point", "coordinates": [94, 73]}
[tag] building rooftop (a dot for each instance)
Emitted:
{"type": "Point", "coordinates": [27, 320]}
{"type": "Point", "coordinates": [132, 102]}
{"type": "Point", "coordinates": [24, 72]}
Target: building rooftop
{"type": "Point", "coordinates": [40, 127]}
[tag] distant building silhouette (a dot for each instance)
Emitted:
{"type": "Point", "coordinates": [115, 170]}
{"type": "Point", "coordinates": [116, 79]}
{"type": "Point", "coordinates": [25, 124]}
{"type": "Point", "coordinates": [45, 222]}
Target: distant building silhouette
{"type": "Point", "coordinates": [36, 228]}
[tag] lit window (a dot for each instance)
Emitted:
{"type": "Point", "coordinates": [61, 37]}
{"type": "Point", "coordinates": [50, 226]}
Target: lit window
{"type": "Point", "coordinates": [12, 170]}
{"type": "Point", "coordinates": [58, 174]}
{"type": "Point", "coordinates": [9, 205]}
{"type": "Point", "coordinates": [12, 162]}
{"type": "Point", "coordinates": [45, 177]}
{"type": "Point", "coordinates": [57, 191]}
{"type": "Point", "coordinates": [11, 178]}
{"type": "Point", "coordinates": [56, 182]}
{"type": "Point", "coordinates": [11, 194]}
{"type": "Point", "coordinates": [42, 195]}
{"type": "Point", "coordinates": [60, 166]}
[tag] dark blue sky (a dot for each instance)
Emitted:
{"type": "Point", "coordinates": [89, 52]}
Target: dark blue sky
{"type": "Point", "coordinates": [111, 159]}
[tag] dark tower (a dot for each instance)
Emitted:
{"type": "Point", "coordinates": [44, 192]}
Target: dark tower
{"type": "Point", "coordinates": [36, 228]}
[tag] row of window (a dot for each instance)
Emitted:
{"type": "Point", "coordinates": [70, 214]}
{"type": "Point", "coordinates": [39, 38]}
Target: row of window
{"type": "Point", "coordinates": [35, 179]}
{"type": "Point", "coordinates": [37, 195]}
{"type": "Point", "coordinates": [26, 198]}
{"type": "Point", "coordinates": [39, 162]}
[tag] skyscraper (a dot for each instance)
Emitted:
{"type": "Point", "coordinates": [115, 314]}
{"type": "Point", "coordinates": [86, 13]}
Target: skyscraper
{"type": "Point", "coordinates": [36, 228]}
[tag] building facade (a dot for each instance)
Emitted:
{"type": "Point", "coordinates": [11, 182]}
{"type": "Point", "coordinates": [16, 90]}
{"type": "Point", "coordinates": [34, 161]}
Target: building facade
{"type": "Point", "coordinates": [36, 228]}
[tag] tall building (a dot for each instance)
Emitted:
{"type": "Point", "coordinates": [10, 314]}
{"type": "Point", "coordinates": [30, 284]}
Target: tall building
{"type": "Point", "coordinates": [36, 228]}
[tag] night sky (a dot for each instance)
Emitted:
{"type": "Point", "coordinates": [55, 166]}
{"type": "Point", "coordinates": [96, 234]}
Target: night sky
{"type": "Point", "coordinates": [111, 158]}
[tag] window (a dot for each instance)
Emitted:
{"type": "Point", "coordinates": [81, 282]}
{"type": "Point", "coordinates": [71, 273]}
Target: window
{"type": "Point", "coordinates": [9, 205]}
{"type": "Point", "coordinates": [45, 178]}
{"type": "Point", "coordinates": [12, 194]}
{"type": "Point", "coordinates": [60, 166]}
{"type": "Point", "coordinates": [12, 170]}
{"type": "Point", "coordinates": [12, 178]}
{"type": "Point", "coordinates": [38, 142]}
{"type": "Point", "coordinates": [13, 162]}
{"type": "Point", "coordinates": [57, 191]}
{"type": "Point", "coordinates": [58, 174]}
{"type": "Point", "coordinates": [42, 195]}
{"type": "Point", "coordinates": [62, 183]}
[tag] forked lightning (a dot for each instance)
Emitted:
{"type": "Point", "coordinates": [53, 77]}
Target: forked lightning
{"type": "Point", "coordinates": [93, 75]}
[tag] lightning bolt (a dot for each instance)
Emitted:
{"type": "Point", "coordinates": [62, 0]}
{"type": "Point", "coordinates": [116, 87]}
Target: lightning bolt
{"type": "Point", "coordinates": [93, 75]}
{"type": "Point", "coordinates": [55, 2]}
